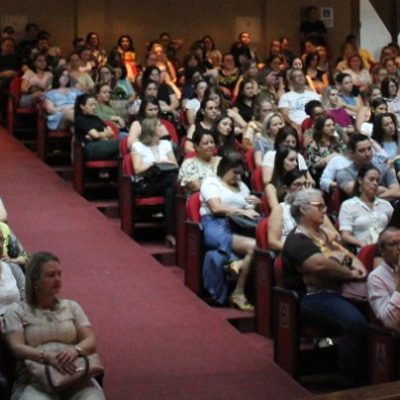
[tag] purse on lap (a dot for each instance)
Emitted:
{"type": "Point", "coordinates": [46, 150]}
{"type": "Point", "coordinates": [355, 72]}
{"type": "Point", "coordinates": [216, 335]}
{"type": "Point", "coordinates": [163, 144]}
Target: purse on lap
{"type": "Point", "coordinates": [51, 380]}
{"type": "Point", "coordinates": [242, 225]}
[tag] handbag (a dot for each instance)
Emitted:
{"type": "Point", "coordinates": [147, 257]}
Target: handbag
{"type": "Point", "coordinates": [243, 225]}
{"type": "Point", "coordinates": [51, 380]}
{"type": "Point", "coordinates": [157, 170]}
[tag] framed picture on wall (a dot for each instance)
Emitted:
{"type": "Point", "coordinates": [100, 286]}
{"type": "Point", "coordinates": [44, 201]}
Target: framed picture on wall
{"type": "Point", "coordinates": [327, 16]}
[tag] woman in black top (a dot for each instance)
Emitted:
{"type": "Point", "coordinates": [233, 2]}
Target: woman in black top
{"type": "Point", "coordinates": [98, 138]}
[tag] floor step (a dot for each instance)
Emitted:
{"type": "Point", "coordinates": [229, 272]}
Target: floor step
{"type": "Point", "coordinates": [64, 171]}
{"type": "Point", "coordinates": [163, 254]}
{"type": "Point", "coordinates": [110, 208]}
{"type": "Point", "coordinates": [243, 321]}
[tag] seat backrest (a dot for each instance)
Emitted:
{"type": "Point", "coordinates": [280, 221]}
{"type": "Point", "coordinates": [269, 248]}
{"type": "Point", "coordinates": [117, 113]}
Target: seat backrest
{"type": "Point", "coordinates": [171, 130]}
{"type": "Point", "coordinates": [262, 234]}
{"type": "Point", "coordinates": [367, 254]}
{"type": "Point", "coordinates": [15, 89]}
{"type": "Point", "coordinates": [114, 127]}
{"type": "Point", "coordinates": [278, 271]}
{"type": "Point", "coordinates": [249, 157]}
{"type": "Point", "coordinates": [193, 208]}
{"type": "Point", "coordinates": [257, 183]}
{"type": "Point", "coordinates": [127, 165]}
{"type": "Point", "coordinates": [123, 146]}
{"type": "Point", "coordinates": [265, 208]}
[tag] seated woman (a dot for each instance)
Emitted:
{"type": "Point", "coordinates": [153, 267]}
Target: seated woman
{"type": "Point", "coordinates": [220, 196]}
{"type": "Point", "coordinates": [262, 107]}
{"type": "Point", "coordinates": [166, 91]}
{"type": "Point", "coordinates": [79, 79]}
{"type": "Point", "coordinates": [146, 152]}
{"type": "Point", "coordinates": [3, 211]}
{"type": "Point", "coordinates": [192, 106]}
{"type": "Point", "coordinates": [11, 249]}
{"type": "Point", "coordinates": [59, 102]}
{"type": "Point", "coordinates": [193, 170]}
{"type": "Point", "coordinates": [366, 115]}
{"type": "Point", "coordinates": [149, 108]}
{"type": "Point", "coordinates": [285, 161]}
{"type": "Point", "coordinates": [334, 108]}
{"type": "Point", "coordinates": [127, 53]}
{"type": "Point", "coordinates": [350, 102]}
{"type": "Point", "coordinates": [286, 136]}
{"type": "Point", "coordinates": [265, 141]}
{"type": "Point", "coordinates": [35, 82]}
{"type": "Point", "coordinates": [385, 133]}
{"type": "Point", "coordinates": [224, 135]}
{"type": "Point", "coordinates": [91, 130]}
{"type": "Point", "coordinates": [359, 74]}
{"type": "Point", "coordinates": [244, 104]}
{"type": "Point", "coordinates": [281, 221]}
{"type": "Point", "coordinates": [363, 217]}
{"type": "Point", "coordinates": [104, 109]}
{"type": "Point", "coordinates": [317, 80]}
{"type": "Point", "coordinates": [57, 333]}
{"type": "Point", "coordinates": [317, 268]}
{"type": "Point", "coordinates": [325, 145]}
{"type": "Point", "coordinates": [228, 75]}
{"type": "Point", "coordinates": [205, 119]}
{"type": "Point", "coordinates": [12, 286]}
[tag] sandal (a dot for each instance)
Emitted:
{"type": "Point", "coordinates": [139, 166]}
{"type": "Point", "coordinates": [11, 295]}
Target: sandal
{"type": "Point", "coordinates": [234, 268]}
{"type": "Point", "coordinates": [240, 302]}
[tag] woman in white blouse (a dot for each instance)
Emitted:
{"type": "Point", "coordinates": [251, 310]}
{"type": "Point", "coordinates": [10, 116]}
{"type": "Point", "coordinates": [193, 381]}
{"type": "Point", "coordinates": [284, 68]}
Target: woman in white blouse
{"type": "Point", "coordinates": [193, 170]}
{"type": "Point", "coordinates": [365, 215]}
{"type": "Point", "coordinates": [146, 152]}
{"type": "Point", "coordinates": [221, 196]}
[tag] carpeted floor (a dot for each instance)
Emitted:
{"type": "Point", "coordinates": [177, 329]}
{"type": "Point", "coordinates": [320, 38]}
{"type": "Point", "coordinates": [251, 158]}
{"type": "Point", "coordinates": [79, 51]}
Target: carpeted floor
{"type": "Point", "coordinates": [157, 340]}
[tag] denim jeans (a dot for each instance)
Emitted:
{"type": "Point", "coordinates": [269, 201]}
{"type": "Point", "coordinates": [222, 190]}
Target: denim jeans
{"type": "Point", "coordinates": [339, 316]}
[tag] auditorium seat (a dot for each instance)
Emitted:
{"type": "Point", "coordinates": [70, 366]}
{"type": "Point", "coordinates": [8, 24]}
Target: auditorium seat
{"type": "Point", "coordinates": [194, 245]}
{"type": "Point", "coordinates": [19, 119]}
{"type": "Point", "coordinates": [131, 204]}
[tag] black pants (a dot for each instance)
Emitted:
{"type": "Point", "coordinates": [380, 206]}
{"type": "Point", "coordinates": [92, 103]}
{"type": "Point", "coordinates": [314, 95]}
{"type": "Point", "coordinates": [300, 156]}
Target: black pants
{"type": "Point", "coordinates": [163, 185]}
{"type": "Point", "coordinates": [102, 150]}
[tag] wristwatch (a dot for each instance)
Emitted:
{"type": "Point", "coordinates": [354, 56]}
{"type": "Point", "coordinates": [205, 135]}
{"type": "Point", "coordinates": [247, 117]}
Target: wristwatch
{"type": "Point", "coordinates": [78, 350]}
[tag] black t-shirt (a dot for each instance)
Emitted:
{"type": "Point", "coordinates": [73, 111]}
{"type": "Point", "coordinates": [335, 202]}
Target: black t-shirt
{"type": "Point", "coordinates": [245, 111]}
{"type": "Point", "coordinates": [164, 91]}
{"type": "Point", "coordinates": [10, 62]}
{"type": "Point", "coordinates": [85, 123]}
{"type": "Point", "coordinates": [297, 248]}
{"type": "Point", "coordinates": [308, 27]}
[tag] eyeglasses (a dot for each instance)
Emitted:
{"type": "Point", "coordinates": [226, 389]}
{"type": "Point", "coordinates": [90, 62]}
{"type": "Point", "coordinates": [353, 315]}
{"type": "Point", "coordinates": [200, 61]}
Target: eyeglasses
{"type": "Point", "coordinates": [321, 206]}
{"type": "Point", "coordinates": [299, 185]}
{"type": "Point", "coordinates": [238, 171]}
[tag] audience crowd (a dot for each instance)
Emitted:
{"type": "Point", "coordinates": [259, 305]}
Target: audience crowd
{"type": "Point", "coordinates": [314, 126]}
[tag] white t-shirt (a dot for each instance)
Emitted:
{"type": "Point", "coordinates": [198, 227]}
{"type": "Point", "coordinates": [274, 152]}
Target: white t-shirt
{"type": "Point", "coordinates": [212, 187]}
{"type": "Point", "coordinates": [296, 102]}
{"type": "Point", "coordinates": [269, 160]}
{"type": "Point", "coordinates": [153, 154]}
{"type": "Point", "coordinates": [9, 292]}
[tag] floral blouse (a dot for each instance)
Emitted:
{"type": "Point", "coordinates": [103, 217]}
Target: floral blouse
{"type": "Point", "coordinates": [194, 168]}
{"type": "Point", "coordinates": [316, 151]}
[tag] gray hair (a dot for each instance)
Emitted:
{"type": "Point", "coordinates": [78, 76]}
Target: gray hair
{"type": "Point", "coordinates": [302, 198]}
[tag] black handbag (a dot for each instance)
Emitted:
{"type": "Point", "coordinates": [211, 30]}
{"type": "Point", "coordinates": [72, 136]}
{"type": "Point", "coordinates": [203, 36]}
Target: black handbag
{"type": "Point", "coordinates": [159, 169]}
{"type": "Point", "coordinates": [243, 225]}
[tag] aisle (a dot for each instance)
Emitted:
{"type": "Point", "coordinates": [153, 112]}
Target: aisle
{"type": "Point", "coordinates": [158, 341]}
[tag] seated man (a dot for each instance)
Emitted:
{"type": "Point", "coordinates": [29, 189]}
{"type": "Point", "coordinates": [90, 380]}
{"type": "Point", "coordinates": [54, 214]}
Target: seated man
{"type": "Point", "coordinates": [384, 281]}
{"type": "Point", "coordinates": [292, 104]}
{"type": "Point", "coordinates": [316, 266]}
{"type": "Point", "coordinates": [361, 153]}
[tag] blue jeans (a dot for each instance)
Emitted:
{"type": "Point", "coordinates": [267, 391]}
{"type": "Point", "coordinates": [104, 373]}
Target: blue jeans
{"type": "Point", "coordinates": [218, 243]}
{"type": "Point", "coordinates": [339, 316]}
